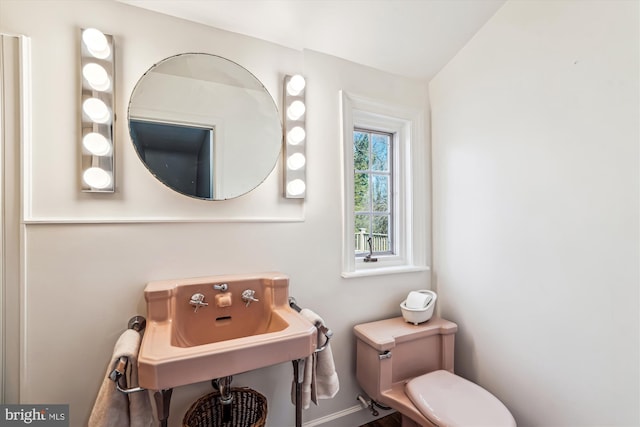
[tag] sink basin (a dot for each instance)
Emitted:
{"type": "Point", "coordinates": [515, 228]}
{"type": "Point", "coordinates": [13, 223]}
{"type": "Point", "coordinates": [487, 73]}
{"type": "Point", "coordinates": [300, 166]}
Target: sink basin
{"type": "Point", "coordinates": [226, 337]}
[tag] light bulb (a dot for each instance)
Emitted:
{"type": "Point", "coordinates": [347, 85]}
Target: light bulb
{"type": "Point", "coordinates": [97, 110]}
{"type": "Point", "coordinates": [296, 110]}
{"type": "Point", "coordinates": [296, 187]}
{"type": "Point", "coordinates": [96, 43]}
{"type": "Point", "coordinates": [296, 85]}
{"type": "Point", "coordinates": [296, 161]}
{"type": "Point", "coordinates": [296, 135]}
{"type": "Point", "coordinates": [96, 76]}
{"type": "Point", "coordinates": [96, 144]}
{"type": "Point", "coordinates": [97, 178]}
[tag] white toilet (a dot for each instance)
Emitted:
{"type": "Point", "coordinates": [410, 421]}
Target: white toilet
{"type": "Point", "coordinates": [410, 368]}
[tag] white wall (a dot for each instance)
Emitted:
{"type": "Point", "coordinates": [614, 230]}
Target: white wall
{"type": "Point", "coordinates": [536, 185]}
{"type": "Point", "coordinates": [83, 281]}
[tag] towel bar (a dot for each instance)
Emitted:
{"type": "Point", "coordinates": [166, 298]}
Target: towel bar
{"type": "Point", "coordinates": [137, 323]}
{"type": "Point", "coordinates": [298, 365]}
{"type": "Point", "coordinates": [328, 333]}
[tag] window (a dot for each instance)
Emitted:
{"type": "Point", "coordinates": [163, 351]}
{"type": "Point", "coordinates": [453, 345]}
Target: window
{"type": "Point", "coordinates": [373, 192]}
{"type": "Point", "coordinates": [385, 188]}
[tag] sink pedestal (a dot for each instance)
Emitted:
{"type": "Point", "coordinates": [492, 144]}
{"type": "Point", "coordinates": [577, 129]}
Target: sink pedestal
{"type": "Point", "coordinates": [298, 375]}
{"type": "Point", "coordinates": [162, 399]}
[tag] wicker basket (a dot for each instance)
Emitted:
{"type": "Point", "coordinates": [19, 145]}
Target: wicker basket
{"type": "Point", "coordinates": [248, 409]}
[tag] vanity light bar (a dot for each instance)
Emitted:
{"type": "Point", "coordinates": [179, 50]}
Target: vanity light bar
{"type": "Point", "coordinates": [295, 157]}
{"type": "Point", "coordinates": [97, 75]}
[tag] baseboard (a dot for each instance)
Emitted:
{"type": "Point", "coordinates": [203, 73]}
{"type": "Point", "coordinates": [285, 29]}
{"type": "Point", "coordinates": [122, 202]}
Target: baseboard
{"type": "Point", "coordinates": [332, 417]}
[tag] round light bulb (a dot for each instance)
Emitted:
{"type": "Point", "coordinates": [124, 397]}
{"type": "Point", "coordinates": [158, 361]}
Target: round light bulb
{"type": "Point", "coordinates": [296, 187]}
{"type": "Point", "coordinates": [296, 135]}
{"type": "Point", "coordinates": [296, 161]}
{"type": "Point", "coordinates": [96, 76]}
{"type": "Point", "coordinates": [296, 110]}
{"type": "Point", "coordinates": [296, 85]}
{"type": "Point", "coordinates": [97, 178]}
{"type": "Point", "coordinates": [97, 110]}
{"type": "Point", "coordinates": [96, 144]}
{"type": "Point", "coordinates": [96, 43]}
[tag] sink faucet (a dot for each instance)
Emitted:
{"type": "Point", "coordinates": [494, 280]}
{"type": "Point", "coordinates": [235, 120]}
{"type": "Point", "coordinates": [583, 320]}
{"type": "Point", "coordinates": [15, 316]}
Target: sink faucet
{"type": "Point", "coordinates": [223, 287]}
{"type": "Point", "coordinates": [248, 296]}
{"type": "Point", "coordinates": [197, 300]}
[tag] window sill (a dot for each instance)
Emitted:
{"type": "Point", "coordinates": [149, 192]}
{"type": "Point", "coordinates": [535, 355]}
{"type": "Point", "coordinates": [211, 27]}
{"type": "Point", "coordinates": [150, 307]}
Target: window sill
{"type": "Point", "coordinates": [383, 271]}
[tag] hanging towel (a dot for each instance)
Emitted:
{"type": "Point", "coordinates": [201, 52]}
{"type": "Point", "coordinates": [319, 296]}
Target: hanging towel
{"type": "Point", "coordinates": [114, 408]}
{"type": "Point", "coordinates": [320, 379]}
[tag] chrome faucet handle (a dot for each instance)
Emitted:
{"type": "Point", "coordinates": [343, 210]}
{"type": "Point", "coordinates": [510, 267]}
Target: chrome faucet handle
{"type": "Point", "coordinates": [197, 300]}
{"type": "Point", "coordinates": [222, 287]}
{"type": "Point", "coordinates": [248, 296]}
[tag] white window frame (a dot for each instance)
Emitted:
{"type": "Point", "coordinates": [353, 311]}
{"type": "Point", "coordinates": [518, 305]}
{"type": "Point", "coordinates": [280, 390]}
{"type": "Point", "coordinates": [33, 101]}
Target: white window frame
{"type": "Point", "coordinates": [410, 190]}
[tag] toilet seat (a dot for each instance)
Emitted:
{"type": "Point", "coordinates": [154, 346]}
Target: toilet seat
{"type": "Point", "coordinates": [451, 401]}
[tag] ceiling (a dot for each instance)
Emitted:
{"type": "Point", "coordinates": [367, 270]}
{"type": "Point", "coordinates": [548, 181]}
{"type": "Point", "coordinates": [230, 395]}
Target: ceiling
{"type": "Point", "coordinates": [413, 38]}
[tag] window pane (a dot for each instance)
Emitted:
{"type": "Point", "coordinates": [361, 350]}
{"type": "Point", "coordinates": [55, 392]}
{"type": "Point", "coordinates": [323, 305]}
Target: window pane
{"type": "Point", "coordinates": [380, 193]}
{"type": "Point", "coordinates": [372, 190]}
{"type": "Point", "coordinates": [381, 235]}
{"type": "Point", "coordinates": [361, 192]}
{"type": "Point", "coordinates": [360, 151]}
{"type": "Point", "coordinates": [362, 228]}
{"type": "Point", "coordinates": [380, 148]}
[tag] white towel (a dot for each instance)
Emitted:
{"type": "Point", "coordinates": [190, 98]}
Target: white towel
{"type": "Point", "coordinates": [320, 379]}
{"type": "Point", "coordinates": [116, 409]}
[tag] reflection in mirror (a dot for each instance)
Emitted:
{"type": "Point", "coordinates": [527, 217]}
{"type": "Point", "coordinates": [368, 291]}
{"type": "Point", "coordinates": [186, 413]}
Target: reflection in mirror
{"type": "Point", "coordinates": [179, 155]}
{"type": "Point", "coordinates": [204, 126]}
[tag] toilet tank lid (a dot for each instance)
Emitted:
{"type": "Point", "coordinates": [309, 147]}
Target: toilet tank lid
{"type": "Point", "coordinates": [384, 334]}
{"type": "Point", "coordinates": [451, 401]}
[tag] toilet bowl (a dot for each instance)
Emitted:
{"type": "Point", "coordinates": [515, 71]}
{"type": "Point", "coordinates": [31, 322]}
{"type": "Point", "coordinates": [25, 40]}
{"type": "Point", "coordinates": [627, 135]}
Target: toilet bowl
{"type": "Point", "coordinates": [410, 368]}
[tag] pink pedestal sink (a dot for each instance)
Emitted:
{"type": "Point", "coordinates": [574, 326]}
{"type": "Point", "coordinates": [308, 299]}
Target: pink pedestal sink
{"type": "Point", "coordinates": [225, 337]}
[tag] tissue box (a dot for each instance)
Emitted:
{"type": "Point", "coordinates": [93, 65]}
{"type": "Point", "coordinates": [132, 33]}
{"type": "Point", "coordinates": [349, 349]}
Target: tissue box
{"type": "Point", "coordinates": [419, 315]}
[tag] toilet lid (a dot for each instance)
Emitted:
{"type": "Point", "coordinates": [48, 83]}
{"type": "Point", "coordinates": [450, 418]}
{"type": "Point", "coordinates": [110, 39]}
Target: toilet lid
{"type": "Point", "coordinates": [451, 401]}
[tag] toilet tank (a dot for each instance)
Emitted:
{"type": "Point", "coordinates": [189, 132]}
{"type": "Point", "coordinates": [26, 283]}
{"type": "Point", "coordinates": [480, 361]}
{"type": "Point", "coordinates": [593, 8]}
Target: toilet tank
{"type": "Point", "coordinates": [391, 351]}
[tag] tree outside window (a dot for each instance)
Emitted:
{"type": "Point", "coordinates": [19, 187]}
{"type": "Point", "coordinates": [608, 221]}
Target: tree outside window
{"type": "Point", "coordinates": [372, 191]}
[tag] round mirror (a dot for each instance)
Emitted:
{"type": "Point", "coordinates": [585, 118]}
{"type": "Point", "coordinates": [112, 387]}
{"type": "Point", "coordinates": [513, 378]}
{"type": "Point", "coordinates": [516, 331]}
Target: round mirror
{"type": "Point", "coordinates": [205, 126]}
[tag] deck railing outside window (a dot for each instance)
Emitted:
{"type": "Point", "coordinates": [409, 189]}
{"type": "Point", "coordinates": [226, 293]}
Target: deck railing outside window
{"type": "Point", "coordinates": [379, 241]}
